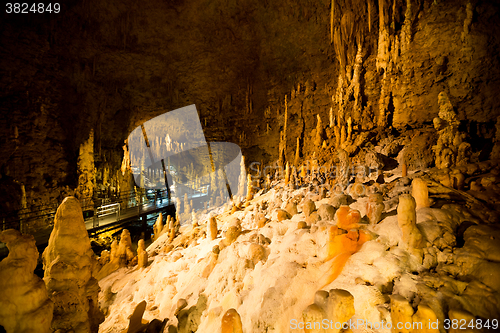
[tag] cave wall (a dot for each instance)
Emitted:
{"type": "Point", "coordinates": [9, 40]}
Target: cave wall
{"type": "Point", "coordinates": [108, 66]}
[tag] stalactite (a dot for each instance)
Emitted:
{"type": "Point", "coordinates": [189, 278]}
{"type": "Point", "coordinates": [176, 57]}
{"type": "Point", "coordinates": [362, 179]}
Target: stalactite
{"type": "Point", "coordinates": [332, 13]}
{"type": "Point", "coordinates": [370, 9]}
{"type": "Point", "coordinates": [383, 38]}
{"type": "Point", "coordinates": [339, 50]}
{"type": "Point", "coordinates": [297, 153]}
{"type": "Point", "coordinates": [406, 29]}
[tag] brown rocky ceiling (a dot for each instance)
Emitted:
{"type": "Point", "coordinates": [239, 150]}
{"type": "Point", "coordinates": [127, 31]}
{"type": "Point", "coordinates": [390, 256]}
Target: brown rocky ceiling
{"type": "Point", "coordinates": [110, 65]}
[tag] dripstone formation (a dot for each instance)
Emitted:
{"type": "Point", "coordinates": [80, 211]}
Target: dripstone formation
{"type": "Point", "coordinates": [69, 268]}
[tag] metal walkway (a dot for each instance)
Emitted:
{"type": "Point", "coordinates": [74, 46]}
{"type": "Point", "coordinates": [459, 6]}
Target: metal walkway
{"type": "Point", "coordinates": [108, 216]}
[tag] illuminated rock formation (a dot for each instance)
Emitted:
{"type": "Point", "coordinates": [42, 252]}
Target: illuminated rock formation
{"type": "Point", "coordinates": [375, 208]}
{"type": "Point", "coordinates": [158, 226]}
{"type": "Point", "coordinates": [450, 149]}
{"type": "Point", "coordinates": [212, 229]}
{"type": "Point", "coordinates": [86, 169]}
{"type": "Point", "coordinates": [283, 215]}
{"type": "Point", "coordinates": [420, 193]}
{"type": "Point", "coordinates": [340, 247]}
{"type": "Point", "coordinates": [336, 306]}
{"type": "Point", "coordinates": [124, 253]}
{"type": "Point", "coordinates": [311, 316]}
{"type": "Point", "coordinates": [407, 219]}
{"type": "Point", "coordinates": [249, 189]}
{"type": "Point", "coordinates": [142, 255]}
{"type": "Point", "coordinates": [24, 302]}
{"type": "Point", "coordinates": [347, 218]}
{"type": "Point", "coordinates": [231, 322]}
{"type": "Point", "coordinates": [401, 312]}
{"type": "Point", "coordinates": [69, 263]}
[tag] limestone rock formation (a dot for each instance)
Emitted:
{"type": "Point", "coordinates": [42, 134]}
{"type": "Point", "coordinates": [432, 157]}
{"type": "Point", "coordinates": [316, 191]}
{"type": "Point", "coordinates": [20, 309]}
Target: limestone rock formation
{"type": "Point", "coordinates": [24, 302]}
{"type": "Point", "coordinates": [158, 226]}
{"type": "Point", "coordinates": [336, 306]}
{"type": "Point", "coordinates": [407, 219]}
{"type": "Point", "coordinates": [142, 254]}
{"type": "Point", "coordinates": [420, 192]}
{"type": "Point", "coordinates": [212, 228]}
{"type": "Point", "coordinates": [231, 322]}
{"type": "Point", "coordinates": [451, 148]}
{"type": "Point", "coordinates": [69, 264]}
{"type": "Point", "coordinates": [375, 208]}
{"type": "Point", "coordinates": [347, 218]}
{"type": "Point", "coordinates": [124, 253]}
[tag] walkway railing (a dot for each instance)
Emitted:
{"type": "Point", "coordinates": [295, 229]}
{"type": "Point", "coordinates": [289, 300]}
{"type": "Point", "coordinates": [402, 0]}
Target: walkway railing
{"type": "Point", "coordinates": [34, 218]}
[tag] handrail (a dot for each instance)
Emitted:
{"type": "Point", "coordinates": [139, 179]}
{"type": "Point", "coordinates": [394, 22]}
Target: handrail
{"type": "Point", "coordinates": [26, 217]}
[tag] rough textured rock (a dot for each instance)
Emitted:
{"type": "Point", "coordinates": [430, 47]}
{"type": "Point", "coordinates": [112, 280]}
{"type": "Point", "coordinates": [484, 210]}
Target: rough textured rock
{"type": "Point", "coordinates": [375, 208]}
{"type": "Point", "coordinates": [407, 219]}
{"type": "Point", "coordinates": [212, 228]}
{"type": "Point", "coordinates": [158, 226]}
{"type": "Point", "coordinates": [401, 312]}
{"type": "Point", "coordinates": [339, 200]}
{"type": "Point", "coordinates": [326, 212]}
{"type": "Point", "coordinates": [283, 215]}
{"type": "Point", "coordinates": [231, 322]}
{"type": "Point", "coordinates": [124, 253]}
{"type": "Point", "coordinates": [69, 264]}
{"type": "Point", "coordinates": [347, 218]}
{"type": "Point", "coordinates": [308, 206]}
{"type": "Point", "coordinates": [24, 302]}
{"type": "Point", "coordinates": [142, 254]}
{"type": "Point", "coordinates": [420, 193]}
{"type": "Point", "coordinates": [189, 319]}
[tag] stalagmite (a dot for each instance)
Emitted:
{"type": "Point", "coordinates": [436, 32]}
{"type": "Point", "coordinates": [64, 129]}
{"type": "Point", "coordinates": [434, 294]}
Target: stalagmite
{"type": "Point", "coordinates": [312, 316]}
{"type": "Point", "coordinates": [68, 263]}
{"type": "Point", "coordinates": [24, 302]}
{"type": "Point", "coordinates": [231, 322]}
{"type": "Point", "coordinates": [424, 319]}
{"type": "Point", "coordinates": [297, 154]}
{"type": "Point", "coordinates": [158, 226]}
{"type": "Point", "coordinates": [86, 169]}
{"type": "Point", "coordinates": [336, 131]}
{"type": "Point", "coordinates": [349, 129]}
{"type": "Point", "coordinates": [142, 255]}
{"type": "Point", "coordinates": [241, 179]}
{"type": "Point", "coordinates": [125, 253]}
{"type": "Point", "coordinates": [401, 312]}
{"type": "Point", "coordinates": [461, 316]}
{"type": "Point", "coordinates": [249, 189]}
{"type": "Point", "coordinates": [336, 306]}
{"type": "Point", "coordinates": [212, 228]}
{"type": "Point", "coordinates": [420, 193]}
{"type": "Point", "coordinates": [375, 208]}
{"type": "Point", "coordinates": [319, 132]}
{"type": "Point", "coordinates": [212, 261]}
{"type": "Point", "coordinates": [287, 173]}
{"type": "Point", "coordinates": [347, 218]}
{"type": "Point", "coordinates": [407, 218]}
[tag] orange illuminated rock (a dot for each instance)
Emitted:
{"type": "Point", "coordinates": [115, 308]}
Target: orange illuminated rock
{"type": "Point", "coordinates": [231, 322]}
{"type": "Point", "coordinates": [347, 218]}
{"type": "Point", "coordinates": [341, 247]}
